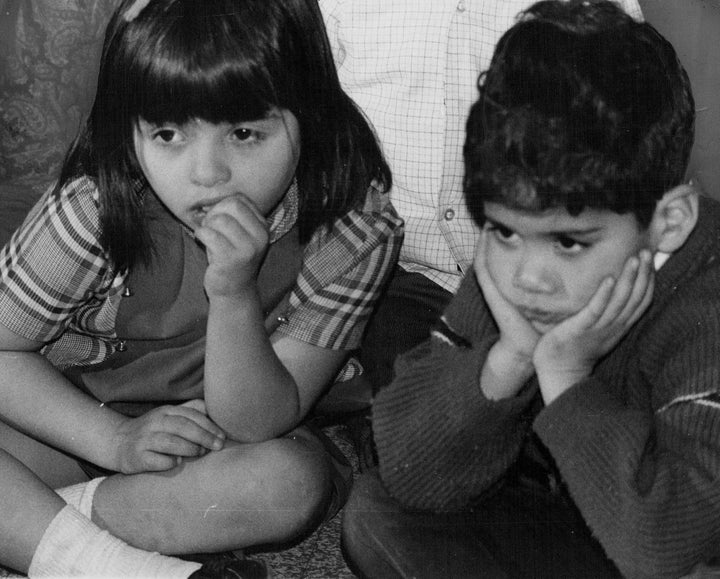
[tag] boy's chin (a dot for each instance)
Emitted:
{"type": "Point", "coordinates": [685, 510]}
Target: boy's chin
{"type": "Point", "coordinates": [541, 327]}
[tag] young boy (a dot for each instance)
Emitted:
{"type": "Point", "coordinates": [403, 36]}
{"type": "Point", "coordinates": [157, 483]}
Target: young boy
{"type": "Point", "coordinates": [564, 421]}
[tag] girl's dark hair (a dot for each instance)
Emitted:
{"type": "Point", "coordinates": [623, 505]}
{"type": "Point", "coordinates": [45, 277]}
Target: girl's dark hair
{"type": "Point", "coordinates": [582, 106]}
{"type": "Point", "coordinates": [221, 61]}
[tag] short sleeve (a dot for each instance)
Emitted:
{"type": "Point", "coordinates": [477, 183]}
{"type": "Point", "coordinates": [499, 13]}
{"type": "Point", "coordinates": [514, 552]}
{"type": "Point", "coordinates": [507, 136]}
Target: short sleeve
{"type": "Point", "coordinates": [343, 273]}
{"type": "Point", "coordinates": [54, 268]}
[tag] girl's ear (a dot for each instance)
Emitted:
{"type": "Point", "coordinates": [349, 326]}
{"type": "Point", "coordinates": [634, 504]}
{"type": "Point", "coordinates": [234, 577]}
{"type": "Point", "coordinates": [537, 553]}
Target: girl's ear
{"type": "Point", "coordinates": [674, 219]}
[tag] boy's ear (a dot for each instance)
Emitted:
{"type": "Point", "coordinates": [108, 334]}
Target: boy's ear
{"type": "Point", "coordinates": [674, 219]}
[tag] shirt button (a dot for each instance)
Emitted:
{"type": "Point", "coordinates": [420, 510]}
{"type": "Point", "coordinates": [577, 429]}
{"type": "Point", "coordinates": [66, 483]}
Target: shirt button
{"type": "Point", "coordinates": [461, 6]}
{"type": "Point", "coordinates": [121, 346]}
{"type": "Point", "coordinates": [127, 292]}
{"type": "Point", "coordinates": [449, 214]}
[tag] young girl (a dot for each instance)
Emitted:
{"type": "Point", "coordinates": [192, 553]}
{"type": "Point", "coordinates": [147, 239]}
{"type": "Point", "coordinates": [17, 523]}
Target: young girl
{"type": "Point", "coordinates": [172, 309]}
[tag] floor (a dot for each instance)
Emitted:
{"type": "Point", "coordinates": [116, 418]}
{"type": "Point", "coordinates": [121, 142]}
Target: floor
{"type": "Point", "coordinates": [317, 557]}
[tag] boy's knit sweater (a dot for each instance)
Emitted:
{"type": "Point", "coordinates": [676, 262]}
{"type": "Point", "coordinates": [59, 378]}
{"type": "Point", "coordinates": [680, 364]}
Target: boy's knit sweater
{"type": "Point", "coordinates": [637, 443]}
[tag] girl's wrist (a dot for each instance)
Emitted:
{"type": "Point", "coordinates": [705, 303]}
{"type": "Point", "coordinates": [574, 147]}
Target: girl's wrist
{"type": "Point", "coordinates": [238, 297]}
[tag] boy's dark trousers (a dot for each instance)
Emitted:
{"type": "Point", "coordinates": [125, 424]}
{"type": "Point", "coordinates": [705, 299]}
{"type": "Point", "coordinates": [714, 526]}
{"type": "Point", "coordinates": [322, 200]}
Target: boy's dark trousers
{"type": "Point", "coordinates": [523, 530]}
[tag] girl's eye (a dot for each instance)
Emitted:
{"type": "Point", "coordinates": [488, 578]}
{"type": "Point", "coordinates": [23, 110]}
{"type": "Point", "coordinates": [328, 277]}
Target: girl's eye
{"type": "Point", "coordinates": [570, 245]}
{"type": "Point", "coordinates": [166, 136]}
{"type": "Point", "coordinates": [246, 135]}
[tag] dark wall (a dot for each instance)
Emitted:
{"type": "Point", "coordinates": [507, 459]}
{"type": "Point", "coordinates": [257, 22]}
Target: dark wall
{"type": "Point", "coordinates": [693, 26]}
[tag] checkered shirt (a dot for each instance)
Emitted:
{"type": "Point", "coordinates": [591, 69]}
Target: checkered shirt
{"type": "Point", "coordinates": [57, 285]}
{"type": "Point", "coordinates": [412, 66]}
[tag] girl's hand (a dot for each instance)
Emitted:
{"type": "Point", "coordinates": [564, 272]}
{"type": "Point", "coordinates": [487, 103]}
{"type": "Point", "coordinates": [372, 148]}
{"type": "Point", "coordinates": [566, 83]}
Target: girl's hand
{"type": "Point", "coordinates": [159, 439]}
{"type": "Point", "coordinates": [236, 238]}
{"type": "Point", "coordinates": [568, 353]}
{"type": "Point", "coordinates": [509, 363]}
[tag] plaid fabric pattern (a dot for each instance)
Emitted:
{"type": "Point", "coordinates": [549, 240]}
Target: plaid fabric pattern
{"type": "Point", "coordinates": [58, 286]}
{"type": "Point", "coordinates": [342, 275]}
{"type": "Point", "coordinates": [412, 66]}
{"type": "Point", "coordinates": [56, 283]}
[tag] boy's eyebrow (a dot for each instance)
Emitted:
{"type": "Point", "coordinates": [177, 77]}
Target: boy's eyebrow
{"type": "Point", "coordinates": [576, 231]}
{"type": "Point", "coordinates": [589, 230]}
{"type": "Point", "coordinates": [496, 222]}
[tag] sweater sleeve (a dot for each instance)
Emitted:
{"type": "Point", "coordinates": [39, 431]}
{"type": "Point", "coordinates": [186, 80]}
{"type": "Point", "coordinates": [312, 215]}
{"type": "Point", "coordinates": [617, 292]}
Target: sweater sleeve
{"type": "Point", "coordinates": [440, 441]}
{"type": "Point", "coordinates": [644, 466]}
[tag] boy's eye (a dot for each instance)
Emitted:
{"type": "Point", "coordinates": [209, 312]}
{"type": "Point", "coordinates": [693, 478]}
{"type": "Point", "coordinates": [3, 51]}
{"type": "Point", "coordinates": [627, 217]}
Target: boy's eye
{"type": "Point", "coordinates": [570, 245]}
{"type": "Point", "coordinates": [502, 233]}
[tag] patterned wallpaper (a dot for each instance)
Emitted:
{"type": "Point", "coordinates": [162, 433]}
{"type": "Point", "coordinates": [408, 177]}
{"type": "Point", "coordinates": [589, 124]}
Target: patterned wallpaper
{"type": "Point", "coordinates": [49, 51]}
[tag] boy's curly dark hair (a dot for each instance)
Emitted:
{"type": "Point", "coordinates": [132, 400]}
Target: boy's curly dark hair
{"type": "Point", "coordinates": [582, 107]}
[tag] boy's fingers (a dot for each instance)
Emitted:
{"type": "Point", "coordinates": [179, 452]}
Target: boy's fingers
{"type": "Point", "coordinates": [644, 303]}
{"type": "Point", "coordinates": [639, 293]}
{"type": "Point", "coordinates": [593, 311]}
{"type": "Point", "coordinates": [480, 264]}
{"type": "Point", "coordinates": [622, 293]}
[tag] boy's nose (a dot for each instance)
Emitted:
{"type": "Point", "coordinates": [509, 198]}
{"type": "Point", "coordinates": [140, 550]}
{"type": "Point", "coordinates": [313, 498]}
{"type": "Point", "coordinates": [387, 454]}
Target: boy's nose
{"type": "Point", "coordinates": [209, 168]}
{"type": "Point", "coordinates": [532, 276]}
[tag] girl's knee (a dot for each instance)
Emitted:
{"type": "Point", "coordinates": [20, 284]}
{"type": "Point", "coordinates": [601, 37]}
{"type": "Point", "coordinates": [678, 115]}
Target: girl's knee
{"type": "Point", "coordinates": [297, 483]}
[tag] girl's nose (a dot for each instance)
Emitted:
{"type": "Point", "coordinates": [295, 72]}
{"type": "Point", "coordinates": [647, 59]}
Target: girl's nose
{"type": "Point", "coordinates": [533, 276]}
{"type": "Point", "coordinates": [209, 167]}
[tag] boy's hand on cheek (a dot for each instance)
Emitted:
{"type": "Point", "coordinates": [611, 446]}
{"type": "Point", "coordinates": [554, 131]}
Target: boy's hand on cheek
{"type": "Point", "coordinates": [517, 336]}
{"type": "Point", "coordinates": [236, 239]}
{"type": "Point", "coordinates": [510, 360]}
{"type": "Point", "coordinates": [568, 353]}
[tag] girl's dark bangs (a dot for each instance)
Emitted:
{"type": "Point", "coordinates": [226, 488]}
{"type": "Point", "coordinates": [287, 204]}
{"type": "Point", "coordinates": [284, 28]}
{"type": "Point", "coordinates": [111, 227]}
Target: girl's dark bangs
{"type": "Point", "coordinates": [215, 83]}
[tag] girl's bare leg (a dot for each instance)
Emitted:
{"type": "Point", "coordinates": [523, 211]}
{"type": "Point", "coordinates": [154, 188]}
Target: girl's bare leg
{"type": "Point", "coordinates": [54, 468]}
{"type": "Point", "coordinates": [27, 507]}
{"type": "Point", "coordinates": [243, 495]}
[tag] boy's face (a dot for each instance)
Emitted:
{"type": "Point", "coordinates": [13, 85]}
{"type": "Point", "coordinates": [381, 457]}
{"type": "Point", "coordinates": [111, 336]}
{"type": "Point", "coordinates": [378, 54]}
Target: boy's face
{"type": "Point", "coordinates": [194, 166]}
{"type": "Point", "coordinates": [548, 265]}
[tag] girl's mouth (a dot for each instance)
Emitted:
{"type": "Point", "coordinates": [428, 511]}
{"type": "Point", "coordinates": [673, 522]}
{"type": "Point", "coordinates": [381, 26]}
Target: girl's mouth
{"type": "Point", "coordinates": [200, 210]}
{"type": "Point", "coordinates": [198, 214]}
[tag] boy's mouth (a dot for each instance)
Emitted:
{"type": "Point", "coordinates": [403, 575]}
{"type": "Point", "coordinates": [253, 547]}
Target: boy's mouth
{"type": "Point", "coordinates": [541, 317]}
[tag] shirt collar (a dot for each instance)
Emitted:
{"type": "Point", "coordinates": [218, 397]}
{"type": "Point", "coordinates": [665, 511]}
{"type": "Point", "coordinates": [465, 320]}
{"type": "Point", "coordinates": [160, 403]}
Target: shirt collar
{"type": "Point", "coordinates": [285, 215]}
